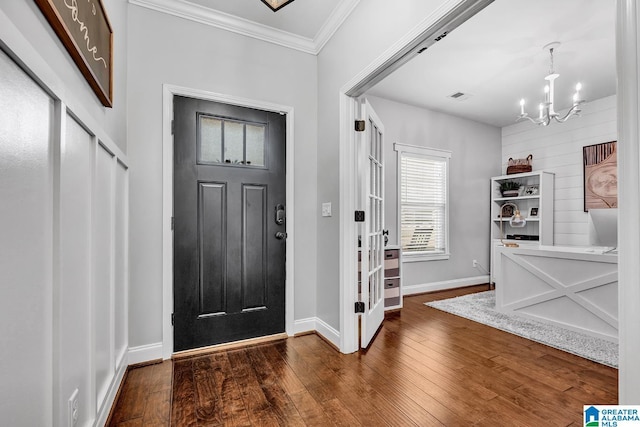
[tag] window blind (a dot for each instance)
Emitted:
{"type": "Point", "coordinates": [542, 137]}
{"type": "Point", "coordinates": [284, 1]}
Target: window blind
{"type": "Point", "coordinates": [423, 200]}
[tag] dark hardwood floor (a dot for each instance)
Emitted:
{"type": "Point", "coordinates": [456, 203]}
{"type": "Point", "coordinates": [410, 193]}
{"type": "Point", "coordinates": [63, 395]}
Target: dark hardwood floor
{"type": "Point", "coordinates": [424, 368]}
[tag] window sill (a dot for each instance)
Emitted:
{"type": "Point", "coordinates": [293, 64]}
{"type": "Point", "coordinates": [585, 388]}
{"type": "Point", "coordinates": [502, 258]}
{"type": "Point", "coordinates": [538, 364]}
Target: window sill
{"type": "Point", "coordinates": [424, 257]}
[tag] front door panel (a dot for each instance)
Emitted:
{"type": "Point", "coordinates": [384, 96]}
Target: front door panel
{"type": "Point", "coordinates": [254, 257]}
{"type": "Point", "coordinates": [213, 245]}
{"type": "Point", "coordinates": [229, 177]}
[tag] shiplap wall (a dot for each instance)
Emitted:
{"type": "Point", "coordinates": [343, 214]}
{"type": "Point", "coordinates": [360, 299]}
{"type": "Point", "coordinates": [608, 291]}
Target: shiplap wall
{"type": "Point", "coordinates": [557, 148]}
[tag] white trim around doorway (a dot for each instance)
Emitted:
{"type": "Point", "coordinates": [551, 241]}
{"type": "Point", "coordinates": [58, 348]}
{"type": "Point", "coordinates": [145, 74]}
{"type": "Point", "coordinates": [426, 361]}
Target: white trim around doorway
{"type": "Point", "coordinates": [628, 71]}
{"type": "Point", "coordinates": [168, 92]}
{"type": "Point", "coordinates": [445, 18]}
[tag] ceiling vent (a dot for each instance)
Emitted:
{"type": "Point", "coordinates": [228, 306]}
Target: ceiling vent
{"type": "Point", "coordinates": [459, 96]}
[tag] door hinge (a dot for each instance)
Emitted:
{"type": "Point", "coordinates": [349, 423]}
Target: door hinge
{"type": "Point", "coordinates": [441, 36]}
{"type": "Point", "coordinates": [360, 126]}
{"type": "Point", "coordinates": [359, 307]}
{"type": "Point", "coordinates": [359, 216]}
{"type": "Point", "coordinates": [173, 318]}
{"type": "Point", "coordinates": [173, 126]}
{"type": "Point", "coordinates": [172, 222]}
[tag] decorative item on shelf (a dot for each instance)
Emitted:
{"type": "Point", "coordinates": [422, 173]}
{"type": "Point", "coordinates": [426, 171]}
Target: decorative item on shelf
{"type": "Point", "coordinates": [546, 111]}
{"type": "Point", "coordinates": [531, 190]}
{"type": "Point", "coordinates": [533, 212]}
{"type": "Point", "coordinates": [506, 211]}
{"type": "Point", "coordinates": [516, 221]}
{"type": "Point", "coordinates": [520, 165]}
{"type": "Point", "coordinates": [522, 237]}
{"type": "Point", "coordinates": [509, 188]}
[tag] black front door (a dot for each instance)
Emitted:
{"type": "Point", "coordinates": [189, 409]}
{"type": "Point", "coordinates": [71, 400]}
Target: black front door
{"type": "Point", "coordinates": [229, 247]}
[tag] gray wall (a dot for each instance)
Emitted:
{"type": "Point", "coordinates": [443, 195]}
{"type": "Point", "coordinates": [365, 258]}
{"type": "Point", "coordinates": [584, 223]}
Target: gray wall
{"type": "Point", "coordinates": [202, 57]}
{"type": "Point", "coordinates": [475, 157]}
{"type": "Point", "coordinates": [372, 28]}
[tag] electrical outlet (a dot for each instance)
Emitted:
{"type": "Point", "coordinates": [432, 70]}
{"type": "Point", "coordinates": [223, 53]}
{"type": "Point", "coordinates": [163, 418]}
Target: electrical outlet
{"type": "Point", "coordinates": [475, 263]}
{"type": "Point", "coordinates": [73, 409]}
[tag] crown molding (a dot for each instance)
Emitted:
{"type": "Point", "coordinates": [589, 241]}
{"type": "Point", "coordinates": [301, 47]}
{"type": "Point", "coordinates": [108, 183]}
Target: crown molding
{"type": "Point", "coordinates": [333, 23]}
{"type": "Point", "coordinates": [193, 12]}
{"type": "Point", "coordinates": [225, 21]}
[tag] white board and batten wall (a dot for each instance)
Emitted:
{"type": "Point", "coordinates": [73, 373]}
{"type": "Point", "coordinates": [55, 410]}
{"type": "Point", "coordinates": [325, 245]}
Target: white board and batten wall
{"type": "Point", "coordinates": [557, 148]}
{"type": "Point", "coordinates": [64, 247]}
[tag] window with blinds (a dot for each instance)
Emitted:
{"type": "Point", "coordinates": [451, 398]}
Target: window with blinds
{"type": "Point", "coordinates": [423, 201]}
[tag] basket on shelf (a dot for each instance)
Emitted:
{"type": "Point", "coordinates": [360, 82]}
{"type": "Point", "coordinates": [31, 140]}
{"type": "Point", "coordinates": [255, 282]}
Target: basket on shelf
{"type": "Point", "coordinates": [519, 165]}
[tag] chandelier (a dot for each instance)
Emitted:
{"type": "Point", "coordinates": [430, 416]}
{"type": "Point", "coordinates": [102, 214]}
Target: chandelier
{"type": "Point", "coordinates": [546, 111]}
{"type": "Point", "coordinates": [275, 5]}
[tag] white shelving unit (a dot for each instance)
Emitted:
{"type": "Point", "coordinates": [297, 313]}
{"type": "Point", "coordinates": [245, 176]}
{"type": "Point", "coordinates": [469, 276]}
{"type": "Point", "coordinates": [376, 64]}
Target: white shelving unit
{"type": "Point", "coordinates": [392, 277]}
{"type": "Point", "coordinates": [535, 196]}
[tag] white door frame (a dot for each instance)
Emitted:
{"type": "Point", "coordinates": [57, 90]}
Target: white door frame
{"type": "Point", "coordinates": [628, 110]}
{"type": "Point", "coordinates": [447, 17]}
{"type": "Point", "coordinates": [628, 72]}
{"type": "Point", "coordinates": [168, 92]}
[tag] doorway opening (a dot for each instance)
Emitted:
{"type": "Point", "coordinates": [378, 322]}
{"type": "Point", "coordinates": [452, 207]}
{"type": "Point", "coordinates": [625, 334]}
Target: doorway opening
{"type": "Point", "coordinates": [430, 32]}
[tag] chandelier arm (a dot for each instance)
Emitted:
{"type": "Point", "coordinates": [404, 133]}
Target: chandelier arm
{"type": "Point", "coordinates": [526, 116]}
{"type": "Point", "coordinates": [573, 111]}
{"type": "Point", "coordinates": [547, 119]}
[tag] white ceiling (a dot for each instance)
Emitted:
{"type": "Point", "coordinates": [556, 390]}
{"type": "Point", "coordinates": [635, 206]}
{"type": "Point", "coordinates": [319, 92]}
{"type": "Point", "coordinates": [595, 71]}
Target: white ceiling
{"type": "Point", "coordinates": [495, 58]}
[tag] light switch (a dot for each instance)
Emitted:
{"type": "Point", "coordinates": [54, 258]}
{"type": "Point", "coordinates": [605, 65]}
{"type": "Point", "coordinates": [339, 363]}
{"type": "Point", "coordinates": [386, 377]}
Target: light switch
{"type": "Point", "coordinates": [326, 209]}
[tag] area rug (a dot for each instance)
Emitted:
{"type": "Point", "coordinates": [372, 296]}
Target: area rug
{"type": "Point", "coordinates": [479, 307]}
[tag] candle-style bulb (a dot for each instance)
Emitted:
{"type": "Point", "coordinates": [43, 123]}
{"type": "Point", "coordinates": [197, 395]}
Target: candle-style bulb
{"type": "Point", "coordinates": [576, 97]}
{"type": "Point", "coordinates": [546, 93]}
{"type": "Point", "coordinates": [522, 107]}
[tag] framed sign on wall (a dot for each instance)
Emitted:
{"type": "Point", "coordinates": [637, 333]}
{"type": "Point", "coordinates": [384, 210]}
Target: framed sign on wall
{"type": "Point", "coordinates": [600, 171]}
{"type": "Point", "coordinates": [85, 31]}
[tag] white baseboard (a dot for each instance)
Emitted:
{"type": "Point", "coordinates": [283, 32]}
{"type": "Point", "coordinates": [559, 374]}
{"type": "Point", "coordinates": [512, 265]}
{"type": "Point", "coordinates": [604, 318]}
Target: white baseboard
{"type": "Point", "coordinates": [304, 325]}
{"type": "Point", "coordinates": [314, 324]}
{"type": "Point", "coordinates": [328, 332]}
{"type": "Point", "coordinates": [145, 353]}
{"type": "Point", "coordinates": [109, 399]}
{"type": "Point", "coordinates": [447, 284]}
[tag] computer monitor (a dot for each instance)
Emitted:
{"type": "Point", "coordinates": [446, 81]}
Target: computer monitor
{"type": "Point", "coordinates": [603, 227]}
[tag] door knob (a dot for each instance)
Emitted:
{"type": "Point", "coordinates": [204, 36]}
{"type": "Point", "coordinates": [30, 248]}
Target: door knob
{"type": "Point", "coordinates": [280, 235]}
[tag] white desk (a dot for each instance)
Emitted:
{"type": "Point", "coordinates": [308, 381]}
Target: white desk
{"type": "Point", "coordinates": [576, 288]}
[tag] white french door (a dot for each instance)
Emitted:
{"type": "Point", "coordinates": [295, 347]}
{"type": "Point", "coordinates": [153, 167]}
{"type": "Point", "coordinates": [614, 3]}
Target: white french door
{"type": "Point", "coordinates": [371, 161]}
